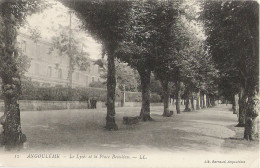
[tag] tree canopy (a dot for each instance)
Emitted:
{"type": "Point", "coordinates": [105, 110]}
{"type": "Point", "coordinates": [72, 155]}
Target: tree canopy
{"type": "Point", "coordinates": [12, 15]}
{"type": "Point", "coordinates": [232, 29]}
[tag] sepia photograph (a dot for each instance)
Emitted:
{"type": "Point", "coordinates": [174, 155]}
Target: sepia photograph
{"type": "Point", "coordinates": [129, 83]}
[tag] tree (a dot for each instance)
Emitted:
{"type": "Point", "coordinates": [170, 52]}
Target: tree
{"type": "Point", "coordinates": [167, 14]}
{"type": "Point", "coordinates": [136, 48]}
{"type": "Point", "coordinates": [105, 21]}
{"type": "Point", "coordinates": [228, 87]}
{"type": "Point", "coordinates": [12, 15]}
{"type": "Point", "coordinates": [126, 78]}
{"type": "Point", "coordinates": [233, 37]}
{"type": "Point", "coordinates": [156, 86]}
{"type": "Point", "coordinates": [141, 46]}
{"type": "Point", "coordinates": [67, 45]}
{"type": "Point", "coordinates": [227, 65]}
{"type": "Point", "coordinates": [192, 62]}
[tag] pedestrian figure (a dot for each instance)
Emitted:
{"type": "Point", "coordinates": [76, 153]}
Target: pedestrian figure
{"type": "Point", "coordinates": [88, 103]}
{"type": "Point", "coordinates": [91, 103]}
{"type": "Point", "coordinates": [94, 103]}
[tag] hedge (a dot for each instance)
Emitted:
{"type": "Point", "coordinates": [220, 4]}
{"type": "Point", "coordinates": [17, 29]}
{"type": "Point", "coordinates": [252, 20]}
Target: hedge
{"type": "Point", "coordinates": [34, 92]}
{"type": "Point", "coordinates": [61, 94]}
{"type": "Point", "coordinates": [137, 97]}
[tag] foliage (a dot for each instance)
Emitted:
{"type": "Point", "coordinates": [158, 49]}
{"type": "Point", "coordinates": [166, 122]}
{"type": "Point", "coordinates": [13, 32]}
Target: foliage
{"type": "Point", "coordinates": [126, 77]}
{"type": "Point", "coordinates": [35, 34]}
{"type": "Point", "coordinates": [232, 30]}
{"type": "Point", "coordinates": [192, 60]}
{"type": "Point", "coordinates": [97, 84]}
{"type": "Point", "coordinates": [156, 86]}
{"type": "Point", "coordinates": [105, 21]}
{"type": "Point", "coordinates": [155, 98]}
{"type": "Point", "coordinates": [137, 48]}
{"type": "Point", "coordinates": [67, 45]}
{"type": "Point", "coordinates": [12, 15]}
{"type": "Point", "coordinates": [141, 43]}
{"type": "Point", "coordinates": [104, 24]}
{"type": "Point", "coordinates": [137, 97]}
{"type": "Point", "coordinates": [21, 9]}
{"type": "Point", "coordinates": [30, 91]}
{"type": "Point", "coordinates": [167, 13]}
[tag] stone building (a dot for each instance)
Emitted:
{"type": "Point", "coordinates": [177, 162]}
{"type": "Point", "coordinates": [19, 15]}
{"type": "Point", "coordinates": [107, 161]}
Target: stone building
{"type": "Point", "coordinates": [50, 68]}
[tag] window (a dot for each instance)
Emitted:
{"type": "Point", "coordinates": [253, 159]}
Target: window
{"type": "Point", "coordinates": [38, 51]}
{"type": "Point", "coordinates": [60, 73]}
{"type": "Point", "coordinates": [49, 71]}
{"type": "Point", "coordinates": [36, 69]}
{"type": "Point", "coordinates": [93, 79]}
{"type": "Point", "coordinates": [77, 76]}
{"type": "Point", "coordinates": [23, 46]}
{"type": "Point", "coordinates": [87, 81]}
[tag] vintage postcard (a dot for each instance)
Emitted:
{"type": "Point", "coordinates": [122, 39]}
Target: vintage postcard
{"type": "Point", "coordinates": [125, 83]}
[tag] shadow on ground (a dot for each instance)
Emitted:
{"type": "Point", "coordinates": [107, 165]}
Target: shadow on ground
{"type": "Point", "coordinates": [83, 130]}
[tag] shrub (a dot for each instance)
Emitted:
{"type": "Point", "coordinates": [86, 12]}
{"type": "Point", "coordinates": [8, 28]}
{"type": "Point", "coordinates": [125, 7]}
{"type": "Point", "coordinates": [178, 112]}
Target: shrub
{"type": "Point", "coordinates": [155, 98]}
{"type": "Point", "coordinates": [133, 97]}
{"type": "Point", "coordinates": [137, 97]}
{"type": "Point", "coordinates": [98, 84]}
{"type": "Point", "coordinates": [32, 91]}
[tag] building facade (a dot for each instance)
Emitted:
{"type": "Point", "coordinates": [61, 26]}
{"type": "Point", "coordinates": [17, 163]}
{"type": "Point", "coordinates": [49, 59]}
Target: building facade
{"type": "Point", "coordinates": [51, 68]}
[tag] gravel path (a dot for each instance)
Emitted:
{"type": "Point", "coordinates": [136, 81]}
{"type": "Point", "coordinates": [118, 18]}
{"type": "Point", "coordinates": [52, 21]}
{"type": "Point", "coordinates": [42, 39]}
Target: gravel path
{"type": "Point", "coordinates": [203, 138]}
{"type": "Point", "coordinates": [203, 130]}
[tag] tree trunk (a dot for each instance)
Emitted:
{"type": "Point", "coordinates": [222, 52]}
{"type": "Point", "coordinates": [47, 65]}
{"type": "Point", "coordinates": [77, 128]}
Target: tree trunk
{"type": "Point", "coordinates": [201, 101]}
{"type": "Point", "coordinates": [178, 96]}
{"type": "Point", "coordinates": [198, 101]}
{"type": "Point", "coordinates": [242, 107]}
{"type": "Point", "coordinates": [187, 105]}
{"type": "Point", "coordinates": [209, 101]}
{"type": "Point", "coordinates": [70, 72]}
{"type": "Point", "coordinates": [204, 101]}
{"type": "Point", "coordinates": [13, 138]}
{"type": "Point", "coordinates": [192, 103]}
{"type": "Point", "coordinates": [252, 82]}
{"type": "Point", "coordinates": [123, 98]}
{"type": "Point", "coordinates": [187, 102]}
{"type": "Point", "coordinates": [111, 96]}
{"type": "Point", "coordinates": [234, 104]}
{"type": "Point", "coordinates": [145, 76]}
{"type": "Point", "coordinates": [71, 67]}
{"type": "Point", "coordinates": [251, 114]}
{"type": "Point", "coordinates": [165, 87]}
{"type": "Point", "coordinates": [213, 101]}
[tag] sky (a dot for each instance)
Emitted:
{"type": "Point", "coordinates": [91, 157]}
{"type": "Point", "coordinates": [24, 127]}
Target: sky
{"type": "Point", "coordinates": [48, 23]}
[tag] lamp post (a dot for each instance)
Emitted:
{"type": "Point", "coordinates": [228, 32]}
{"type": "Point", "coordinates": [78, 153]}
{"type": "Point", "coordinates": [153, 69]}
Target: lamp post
{"type": "Point", "coordinates": [70, 71]}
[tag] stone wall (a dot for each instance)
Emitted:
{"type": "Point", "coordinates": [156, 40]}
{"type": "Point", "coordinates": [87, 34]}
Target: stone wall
{"type": "Point", "coordinates": [35, 105]}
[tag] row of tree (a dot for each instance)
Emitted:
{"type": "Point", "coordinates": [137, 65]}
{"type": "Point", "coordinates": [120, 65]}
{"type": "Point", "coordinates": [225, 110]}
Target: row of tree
{"type": "Point", "coordinates": [164, 37]}
{"type": "Point", "coordinates": [232, 29]}
{"type": "Point", "coordinates": [132, 33]}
